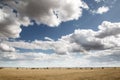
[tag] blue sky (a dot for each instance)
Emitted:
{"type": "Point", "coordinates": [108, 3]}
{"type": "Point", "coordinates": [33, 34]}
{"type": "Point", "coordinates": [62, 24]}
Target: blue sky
{"type": "Point", "coordinates": [80, 33]}
{"type": "Point", "coordinates": [87, 21]}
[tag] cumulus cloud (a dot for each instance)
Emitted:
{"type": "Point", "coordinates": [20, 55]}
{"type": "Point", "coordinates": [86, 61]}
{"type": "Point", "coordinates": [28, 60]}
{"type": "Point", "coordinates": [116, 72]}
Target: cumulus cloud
{"type": "Point", "coordinates": [10, 24]}
{"type": "Point", "coordinates": [108, 29]}
{"type": "Point", "coordinates": [15, 13]}
{"type": "Point", "coordinates": [106, 37]}
{"type": "Point", "coordinates": [91, 47]}
{"type": "Point", "coordinates": [79, 41]}
{"type": "Point", "coordinates": [30, 56]}
{"type": "Point", "coordinates": [101, 10]}
{"type": "Point", "coordinates": [110, 55]}
{"type": "Point", "coordinates": [6, 48]}
{"type": "Point", "coordinates": [52, 13]}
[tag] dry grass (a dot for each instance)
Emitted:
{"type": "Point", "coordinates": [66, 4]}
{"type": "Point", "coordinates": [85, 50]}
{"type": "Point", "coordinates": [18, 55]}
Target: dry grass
{"type": "Point", "coordinates": [60, 74]}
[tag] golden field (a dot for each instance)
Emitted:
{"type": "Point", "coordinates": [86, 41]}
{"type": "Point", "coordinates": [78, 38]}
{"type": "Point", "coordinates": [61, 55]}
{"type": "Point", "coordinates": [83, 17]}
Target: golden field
{"type": "Point", "coordinates": [60, 74]}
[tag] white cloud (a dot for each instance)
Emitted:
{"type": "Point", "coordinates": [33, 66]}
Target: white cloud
{"type": "Point", "coordinates": [80, 40]}
{"type": "Point", "coordinates": [50, 13]}
{"type": "Point", "coordinates": [65, 10]}
{"type": "Point", "coordinates": [30, 56]}
{"type": "Point", "coordinates": [10, 24]}
{"type": "Point", "coordinates": [101, 10]}
{"type": "Point", "coordinates": [90, 45]}
{"type": "Point", "coordinates": [106, 2]}
{"type": "Point", "coordinates": [99, 1]}
{"type": "Point", "coordinates": [49, 39]}
{"type": "Point", "coordinates": [108, 29]}
{"type": "Point", "coordinates": [6, 48]}
{"type": "Point", "coordinates": [105, 56]}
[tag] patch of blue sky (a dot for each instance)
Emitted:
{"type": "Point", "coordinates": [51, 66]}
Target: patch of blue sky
{"type": "Point", "coordinates": [49, 51]}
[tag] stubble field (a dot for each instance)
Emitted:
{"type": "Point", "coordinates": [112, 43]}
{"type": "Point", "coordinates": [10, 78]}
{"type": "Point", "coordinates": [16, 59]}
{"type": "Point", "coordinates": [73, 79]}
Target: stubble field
{"type": "Point", "coordinates": [60, 74]}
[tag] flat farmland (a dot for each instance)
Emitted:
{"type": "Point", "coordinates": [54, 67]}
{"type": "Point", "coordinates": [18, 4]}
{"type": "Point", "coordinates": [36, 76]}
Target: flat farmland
{"type": "Point", "coordinates": [60, 74]}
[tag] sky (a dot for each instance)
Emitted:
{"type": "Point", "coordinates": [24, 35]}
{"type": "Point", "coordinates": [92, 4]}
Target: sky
{"type": "Point", "coordinates": [59, 33]}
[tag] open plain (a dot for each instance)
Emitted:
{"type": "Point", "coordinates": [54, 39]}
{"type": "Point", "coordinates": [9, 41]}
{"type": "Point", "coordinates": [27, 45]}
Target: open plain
{"type": "Point", "coordinates": [60, 74]}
